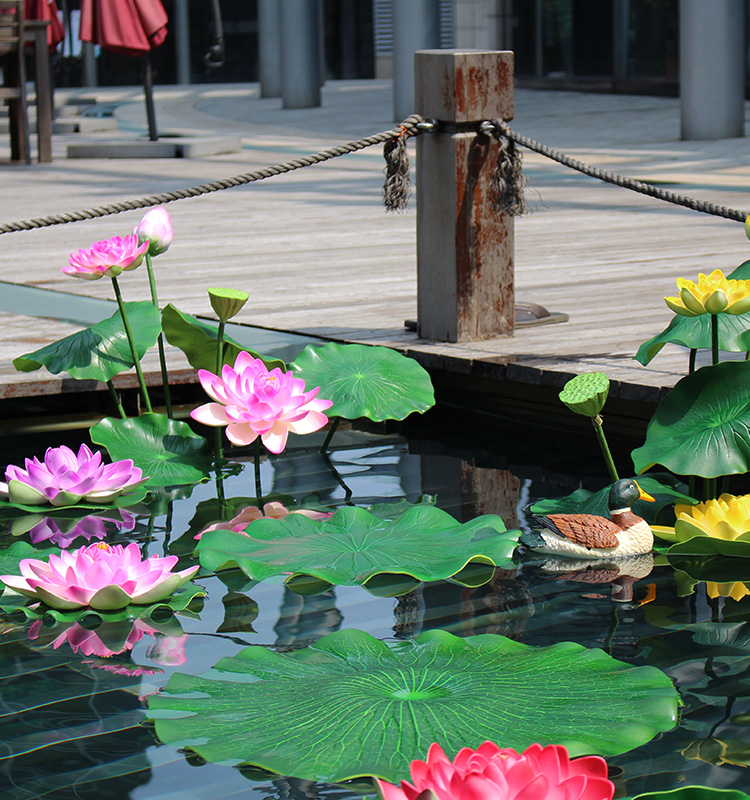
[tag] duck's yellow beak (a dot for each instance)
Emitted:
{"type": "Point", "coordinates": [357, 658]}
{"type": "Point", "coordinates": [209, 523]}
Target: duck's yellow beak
{"type": "Point", "coordinates": [644, 495]}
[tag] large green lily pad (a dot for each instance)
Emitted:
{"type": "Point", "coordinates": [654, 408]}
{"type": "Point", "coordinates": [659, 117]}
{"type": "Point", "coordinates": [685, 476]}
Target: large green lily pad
{"type": "Point", "coordinates": [664, 488]}
{"type": "Point", "coordinates": [373, 382]}
{"type": "Point", "coordinates": [694, 793]}
{"type": "Point", "coordinates": [354, 546]}
{"type": "Point", "coordinates": [702, 427]}
{"type": "Point", "coordinates": [695, 332]}
{"type": "Point", "coordinates": [167, 450]}
{"type": "Point", "coordinates": [197, 340]}
{"type": "Point", "coordinates": [12, 556]}
{"type": "Point", "coordinates": [351, 705]}
{"type": "Point", "coordinates": [712, 546]}
{"type": "Point", "coordinates": [122, 501]}
{"type": "Point", "coordinates": [100, 352]}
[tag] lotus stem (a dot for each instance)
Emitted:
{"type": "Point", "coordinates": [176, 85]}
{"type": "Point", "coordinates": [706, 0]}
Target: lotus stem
{"type": "Point", "coordinates": [220, 348]}
{"type": "Point", "coordinates": [341, 482]}
{"type": "Point", "coordinates": [131, 342]}
{"type": "Point", "coordinates": [691, 362]}
{"type": "Point", "coordinates": [328, 438]}
{"type": "Point", "coordinates": [714, 338]}
{"type": "Point", "coordinates": [220, 495]}
{"type": "Point", "coordinates": [116, 398]}
{"type": "Point", "coordinates": [218, 447]}
{"type": "Point", "coordinates": [709, 488]}
{"type": "Point", "coordinates": [258, 487]}
{"type": "Point", "coordinates": [168, 526]}
{"type": "Point", "coordinates": [160, 340]}
{"type": "Point", "coordinates": [598, 424]}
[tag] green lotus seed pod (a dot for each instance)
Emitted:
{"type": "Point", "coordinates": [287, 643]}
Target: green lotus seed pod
{"type": "Point", "coordinates": [716, 303]}
{"type": "Point", "coordinates": [227, 303]}
{"type": "Point", "coordinates": [586, 394]}
{"type": "Point", "coordinates": [747, 227]}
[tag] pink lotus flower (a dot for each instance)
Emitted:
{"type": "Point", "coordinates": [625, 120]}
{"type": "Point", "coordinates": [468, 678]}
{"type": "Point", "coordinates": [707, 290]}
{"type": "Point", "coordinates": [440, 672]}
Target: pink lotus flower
{"type": "Point", "coordinates": [492, 773]}
{"type": "Point", "coordinates": [169, 651]}
{"type": "Point", "coordinates": [102, 577]}
{"type": "Point", "coordinates": [252, 402]}
{"type": "Point", "coordinates": [272, 510]}
{"type": "Point", "coordinates": [108, 257]}
{"type": "Point", "coordinates": [90, 643]}
{"type": "Point", "coordinates": [118, 668]}
{"type": "Point", "coordinates": [65, 478]}
{"type": "Point", "coordinates": [63, 532]}
{"type": "Point", "coordinates": [156, 229]}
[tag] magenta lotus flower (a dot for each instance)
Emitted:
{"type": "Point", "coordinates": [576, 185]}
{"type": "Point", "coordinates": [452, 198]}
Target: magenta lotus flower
{"type": "Point", "coordinates": [492, 773]}
{"type": "Point", "coordinates": [253, 401]}
{"type": "Point", "coordinates": [63, 532]}
{"type": "Point", "coordinates": [118, 668]}
{"type": "Point", "coordinates": [272, 510]}
{"type": "Point", "coordinates": [65, 478]}
{"type": "Point", "coordinates": [90, 643]}
{"type": "Point", "coordinates": [156, 229]}
{"type": "Point", "coordinates": [101, 576]}
{"type": "Point", "coordinates": [108, 257]}
{"type": "Point", "coordinates": [169, 651]}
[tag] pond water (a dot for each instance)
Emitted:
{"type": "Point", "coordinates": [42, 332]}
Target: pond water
{"type": "Point", "coordinates": [71, 724]}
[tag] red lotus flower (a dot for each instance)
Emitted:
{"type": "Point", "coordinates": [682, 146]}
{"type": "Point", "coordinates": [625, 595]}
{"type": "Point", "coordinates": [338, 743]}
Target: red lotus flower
{"type": "Point", "coordinates": [492, 773]}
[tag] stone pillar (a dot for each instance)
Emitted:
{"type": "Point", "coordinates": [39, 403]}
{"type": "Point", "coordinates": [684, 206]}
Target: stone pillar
{"type": "Point", "coordinates": [182, 40]}
{"type": "Point", "coordinates": [464, 247]}
{"type": "Point", "coordinates": [269, 44]}
{"type": "Point", "coordinates": [90, 78]}
{"type": "Point", "coordinates": [300, 53]}
{"type": "Point", "coordinates": [415, 27]}
{"type": "Point", "coordinates": [712, 69]}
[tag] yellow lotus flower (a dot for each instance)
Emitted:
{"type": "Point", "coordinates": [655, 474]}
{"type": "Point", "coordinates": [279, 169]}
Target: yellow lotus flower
{"type": "Point", "coordinates": [727, 517]}
{"type": "Point", "coordinates": [713, 294]}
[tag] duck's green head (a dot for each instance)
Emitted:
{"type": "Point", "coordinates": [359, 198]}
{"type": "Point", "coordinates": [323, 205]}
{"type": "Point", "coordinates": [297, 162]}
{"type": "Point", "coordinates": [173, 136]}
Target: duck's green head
{"type": "Point", "coordinates": [625, 492]}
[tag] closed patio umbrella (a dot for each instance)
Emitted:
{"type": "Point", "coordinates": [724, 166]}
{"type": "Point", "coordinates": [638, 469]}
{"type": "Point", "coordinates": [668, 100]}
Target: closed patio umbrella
{"type": "Point", "coordinates": [130, 27]}
{"type": "Point", "coordinates": [46, 11]}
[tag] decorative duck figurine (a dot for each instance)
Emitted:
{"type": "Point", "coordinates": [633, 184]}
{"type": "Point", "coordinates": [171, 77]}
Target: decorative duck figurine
{"type": "Point", "coordinates": [589, 536]}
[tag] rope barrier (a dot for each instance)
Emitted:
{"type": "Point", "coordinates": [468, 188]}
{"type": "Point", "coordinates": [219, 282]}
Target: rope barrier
{"type": "Point", "coordinates": [406, 129]}
{"type": "Point", "coordinates": [649, 189]}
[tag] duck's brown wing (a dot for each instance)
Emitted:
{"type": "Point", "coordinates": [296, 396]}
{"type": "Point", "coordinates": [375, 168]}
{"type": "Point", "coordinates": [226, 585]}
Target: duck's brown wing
{"type": "Point", "coordinates": [588, 530]}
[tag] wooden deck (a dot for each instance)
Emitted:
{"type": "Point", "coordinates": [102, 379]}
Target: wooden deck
{"type": "Point", "coordinates": [320, 257]}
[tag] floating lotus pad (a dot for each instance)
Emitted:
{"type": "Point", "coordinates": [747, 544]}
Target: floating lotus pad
{"type": "Point", "coordinates": [100, 352]}
{"type": "Point", "coordinates": [123, 501]}
{"type": "Point", "coordinates": [373, 382]}
{"type": "Point", "coordinates": [197, 340]}
{"type": "Point", "coordinates": [354, 545]}
{"type": "Point", "coordinates": [694, 793]}
{"type": "Point", "coordinates": [702, 427]}
{"type": "Point", "coordinates": [165, 449]}
{"type": "Point", "coordinates": [352, 705]}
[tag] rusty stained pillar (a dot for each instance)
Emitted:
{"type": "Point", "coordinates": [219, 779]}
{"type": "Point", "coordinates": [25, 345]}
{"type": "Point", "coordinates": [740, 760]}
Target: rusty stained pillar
{"type": "Point", "coordinates": [464, 247]}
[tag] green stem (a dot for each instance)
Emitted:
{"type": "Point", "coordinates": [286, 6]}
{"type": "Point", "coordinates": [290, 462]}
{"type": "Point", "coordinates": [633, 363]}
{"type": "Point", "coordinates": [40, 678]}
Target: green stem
{"type": "Point", "coordinates": [333, 430]}
{"type": "Point", "coordinates": [116, 398]}
{"type": "Point", "coordinates": [714, 338]}
{"type": "Point", "coordinates": [341, 482]}
{"type": "Point", "coordinates": [220, 348]}
{"type": "Point", "coordinates": [598, 424]}
{"type": "Point", "coordinates": [218, 446]}
{"type": "Point", "coordinates": [131, 342]}
{"type": "Point", "coordinates": [691, 486]}
{"type": "Point", "coordinates": [709, 488]}
{"type": "Point", "coordinates": [691, 363]}
{"type": "Point", "coordinates": [258, 487]}
{"type": "Point", "coordinates": [160, 341]}
{"type": "Point", "coordinates": [220, 495]}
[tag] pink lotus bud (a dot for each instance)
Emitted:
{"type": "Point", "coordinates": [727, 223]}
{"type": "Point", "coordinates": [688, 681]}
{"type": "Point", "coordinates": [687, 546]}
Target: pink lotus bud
{"type": "Point", "coordinates": [156, 229]}
{"type": "Point", "coordinates": [108, 257]}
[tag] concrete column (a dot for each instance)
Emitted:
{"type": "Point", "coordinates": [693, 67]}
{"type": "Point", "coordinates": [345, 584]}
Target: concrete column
{"type": "Point", "coordinates": [416, 26]}
{"type": "Point", "coordinates": [712, 69]}
{"type": "Point", "coordinates": [269, 41]}
{"type": "Point", "coordinates": [620, 38]}
{"type": "Point", "coordinates": [182, 40]}
{"type": "Point", "coordinates": [300, 53]}
{"type": "Point", "coordinates": [464, 247]}
{"type": "Point", "coordinates": [89, 64]}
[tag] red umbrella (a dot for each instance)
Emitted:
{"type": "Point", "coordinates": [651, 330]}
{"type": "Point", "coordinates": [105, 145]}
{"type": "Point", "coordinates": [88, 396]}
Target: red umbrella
{"type": "Point", "coordinates": [131, 27]}
{"type": "Point", "coordinates": [46, 11]}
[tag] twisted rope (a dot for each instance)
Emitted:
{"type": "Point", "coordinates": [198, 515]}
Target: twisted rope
{"type": "Point", "coordinates": [407, 128]}
{"type": "Point", "coordinates": [619, 180]}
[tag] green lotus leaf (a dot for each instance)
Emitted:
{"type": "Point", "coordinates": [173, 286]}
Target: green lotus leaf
{"type": "Point", "coordinates": [711, 546]}
{"type": "Point", "coordinates": [186, 601]}
{"type": "Point", "coordinates": [351, 705]}
{"type": "Point", "coordinates": [664, 488]}
{"type": "Point", "coordinates": [123, 501]}
{"type": "Point", "coordinates": [353, 546]}
{"type": "Point", "coordinates": [586, 394]}
{"type": "Point", "coordinates": [100, 352]}
{"type": "Point", "coordinates": [714, 568]}
{"type": "Point", "coordinates": [694, 793]}
{"type": "Point", "coordinates": [742, 273]}
{"type": "Point", "coordinates": [197, 340]}
{"type": "Point", "coordinates": [373, 382]}
{"type": "Point", "coordinates": [695, 332]}
{"type": "Point", "coordinates": [702, 427]}
{"type": "Point", "coordinates": [165, 449]}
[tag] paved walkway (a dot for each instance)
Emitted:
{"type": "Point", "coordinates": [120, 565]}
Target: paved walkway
{"type": "Point", "coordinates": [319, 256]}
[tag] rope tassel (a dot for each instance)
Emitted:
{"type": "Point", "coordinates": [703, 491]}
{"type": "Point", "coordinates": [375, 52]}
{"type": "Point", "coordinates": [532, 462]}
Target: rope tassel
{"type": "Point", "coordinates": [397, 186]}
{"type": "Point", "coordinates": [508, 181]}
